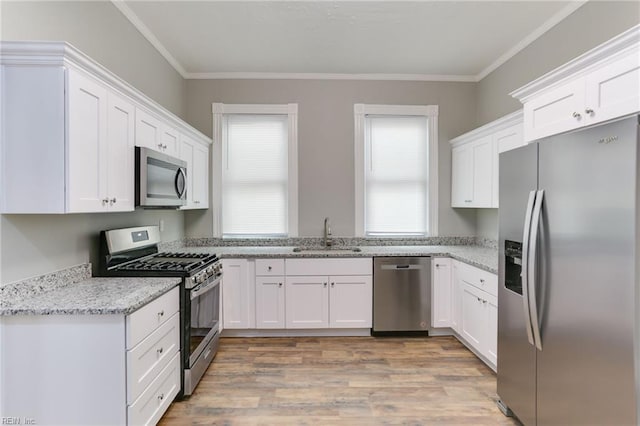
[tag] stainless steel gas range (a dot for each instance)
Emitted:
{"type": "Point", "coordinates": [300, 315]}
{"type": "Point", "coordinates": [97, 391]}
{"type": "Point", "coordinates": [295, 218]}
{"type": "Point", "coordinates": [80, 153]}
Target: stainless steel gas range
{"type": "Point", "coordinates": [133, 252]}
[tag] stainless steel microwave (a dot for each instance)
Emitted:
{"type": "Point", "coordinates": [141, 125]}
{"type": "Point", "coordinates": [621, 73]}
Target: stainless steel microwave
{"type": "Point", "coordinates": [161, 180]}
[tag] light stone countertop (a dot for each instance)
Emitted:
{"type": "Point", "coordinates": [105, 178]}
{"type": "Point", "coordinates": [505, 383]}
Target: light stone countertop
{"type": "Point", "coordinates": [91, 296]}
{"type": "Point", "coordinates": [482, 257]}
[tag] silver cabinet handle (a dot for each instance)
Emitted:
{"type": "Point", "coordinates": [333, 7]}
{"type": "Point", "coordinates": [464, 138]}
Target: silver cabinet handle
{"type": "Point", "coordinates": [481, 281]}
{"type": "Point", "coordinates": [105, 201]}
{"type": "Point", "coordinates": [160, 351]}
{"type": "Point", "coordinates": [160, 145]}
{"type": "Point", "coordinates": [576, 115]}
{"type": "Point", "coordinates": [325, 284]}
{"type": "Point", "coordinates": [164, 146]}
{"type": "Point", "coordinates": [161, 313]}
{"type": "Point", "coordinates": [333, 284]}
{"type": "Point", "coordinates": [279, 284]}
{"type": "Point", "coordinates": [160, 397]}
{"type": "Point", "coordinates": [588, 111]}
{"type": "Point", "coordinates": [269, 268]}
{"type": "Point", "coordinates": [525, 265]}
{"type": "Point", "coordinates": [467, 201]}
{"type": "Point", "coordinates": [112, 201]}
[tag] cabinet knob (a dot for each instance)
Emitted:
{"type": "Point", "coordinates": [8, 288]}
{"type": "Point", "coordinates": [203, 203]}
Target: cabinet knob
{"type": "Point", "coordinates": [333, 284]}
{"type": "Point", "coordinates": [160, 145]}
{"type": "Point", "coordinates": [279, 284]}
{"type": "Point", "coordinates": [160, 397]}
{"type": "Point", "coordinates": [269, 268]}
{"type": "Point", "coordinates": [588, 111]}
{"type": "Point", "coordinates": [484, 301]}
{"type": "Point", "coordinates": [160, 314]}
{"type": "Point", "coordinates": [325, 284]}
{"type": "Point", "coordinates": [112, 201]}
{"type": "Point", "coordinates": [481, 281]}
{"type": "Point", "coordinates": [576, 115]}
{"type": "Point", "coordinates": [160, 351]}
{"type": "Point", "coordinates": [164, 147]}
{"type": "Point", "coordinates": [105, 201]}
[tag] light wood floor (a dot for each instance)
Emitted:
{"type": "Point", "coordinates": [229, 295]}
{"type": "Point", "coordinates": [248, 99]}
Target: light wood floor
{"type": "Point", "coordinates": [347, 381]}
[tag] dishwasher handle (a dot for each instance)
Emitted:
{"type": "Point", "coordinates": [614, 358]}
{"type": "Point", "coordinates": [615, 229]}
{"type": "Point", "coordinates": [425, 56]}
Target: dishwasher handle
{"type": "Point", "coordinates": [402, 267]}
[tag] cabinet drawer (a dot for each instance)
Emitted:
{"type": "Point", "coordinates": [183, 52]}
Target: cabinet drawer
{"type": "Point", "coordinates": [155, 400]}
{"type": "Point", "coordinates": [352, 266]}
{"type": "Point", "coordinates": [145, 320]}
{"type": "Point", "coordinates": [267, 267]}
{"type": "Point", "coordinates": [150, 356]}
{"type": "Point", "coordinates": [483, 280]}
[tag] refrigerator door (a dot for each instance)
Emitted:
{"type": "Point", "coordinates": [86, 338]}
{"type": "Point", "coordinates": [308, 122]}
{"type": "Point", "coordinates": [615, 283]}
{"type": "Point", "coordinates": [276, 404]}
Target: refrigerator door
{"type": "Point", "coordinates": [516, 356]}
{"type": "Point", "coordinates": [586, 289]}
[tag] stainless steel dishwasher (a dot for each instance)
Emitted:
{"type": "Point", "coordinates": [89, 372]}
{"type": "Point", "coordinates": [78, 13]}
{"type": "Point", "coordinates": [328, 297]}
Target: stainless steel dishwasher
{"type": "Point", "coordinates": [401, 294]}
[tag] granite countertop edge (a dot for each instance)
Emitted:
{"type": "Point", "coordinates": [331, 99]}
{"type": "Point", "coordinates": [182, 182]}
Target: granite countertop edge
{"type": "Point", "coordinates": [93, 296]}
{"type": "Point", "coordinates": [479, 256]}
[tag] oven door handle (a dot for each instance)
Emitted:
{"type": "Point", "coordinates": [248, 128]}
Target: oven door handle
{"type": "Point", "coordinates": [204, 287]}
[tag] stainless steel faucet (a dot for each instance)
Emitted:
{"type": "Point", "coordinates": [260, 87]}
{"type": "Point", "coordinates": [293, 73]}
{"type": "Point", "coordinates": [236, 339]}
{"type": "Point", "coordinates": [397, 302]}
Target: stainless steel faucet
{"type": "Point", "coordinates": [328, 242]}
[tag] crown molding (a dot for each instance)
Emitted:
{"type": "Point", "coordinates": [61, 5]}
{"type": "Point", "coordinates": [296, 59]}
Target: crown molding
{"type": "Point", "coordinates": [63, 54]}
{"type": "Point", "coordinates": [155, 42]}
{"type": "Point", "coordinates": [610, 50]}
{"type": "Point", "coordinates": [533, 36]}
{"type": "Point", "coordinates": [327, 76]}
{"type": "Point", "coordinates": [148, 34]}
{"type": "Point", "coordinates": [489, 128]}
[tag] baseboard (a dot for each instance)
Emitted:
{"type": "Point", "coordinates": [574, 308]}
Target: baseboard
{"type": "Point", "coordinates": [307, 332]}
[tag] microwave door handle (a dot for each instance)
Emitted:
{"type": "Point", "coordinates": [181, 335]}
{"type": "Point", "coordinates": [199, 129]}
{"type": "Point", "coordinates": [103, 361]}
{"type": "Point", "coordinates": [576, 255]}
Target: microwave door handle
{"type": "Point", "coordinates": [181, 182]}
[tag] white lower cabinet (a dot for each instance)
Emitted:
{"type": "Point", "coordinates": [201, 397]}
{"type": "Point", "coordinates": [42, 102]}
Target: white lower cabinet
{"type": "Point", "coordinates": [266, 294]}
{"type": "Point", "coordinates": [270, 297]}
{"type": "Point", "coordinates": [93, 369]}
{"type": "Point", "coordinates": [441, 293]}
{"type": "Point", "coordinates": [456, 297]}
{"type": "Point", "coordinates": [307, 302]}
{"type": "Point", "coordinates": [238, 294]}
{"type": "Point", "coordinates": [475, 294]}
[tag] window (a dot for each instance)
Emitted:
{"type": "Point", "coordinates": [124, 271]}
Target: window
{"type": "Point", "coordinates": [257, 170]}
{"type": "Point", "coordinates": [396, 170]}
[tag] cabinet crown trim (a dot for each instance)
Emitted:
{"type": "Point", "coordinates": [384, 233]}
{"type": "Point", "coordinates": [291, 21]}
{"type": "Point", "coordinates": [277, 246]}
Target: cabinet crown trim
{"type": "Point", "coordinates": [583, 64]}
{"type": "Point", "coordinates": [489, 128]}
{"type": "Point", "coordinates": [64, 54]}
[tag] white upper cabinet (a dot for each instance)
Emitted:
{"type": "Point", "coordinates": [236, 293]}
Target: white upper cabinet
{"type": "Point", "coordinates": [196, 155]}
{"type": "Point", "coordinates": [475, 161]}
{"type": "Point", "coordinates": [69, 134]}
{"type": "Point", "coordinates": [597, 86]}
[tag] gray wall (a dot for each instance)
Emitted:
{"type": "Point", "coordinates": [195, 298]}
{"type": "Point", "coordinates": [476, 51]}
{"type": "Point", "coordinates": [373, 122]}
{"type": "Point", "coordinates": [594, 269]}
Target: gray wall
{"type": "Point", "coordinates": [589, 26]}
{"type": "Point", "coordinates": [325, 140]}
{"type": "Point", "coordinates": [487, 223]}
{"type": "Point", "coordinates": [35, 244]}
{"type": "Point", "coordinates": [98, 29]}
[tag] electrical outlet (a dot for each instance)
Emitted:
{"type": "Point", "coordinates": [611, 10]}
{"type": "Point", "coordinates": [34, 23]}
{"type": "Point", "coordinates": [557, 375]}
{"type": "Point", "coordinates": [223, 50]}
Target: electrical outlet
{"type": "Point", "coordinates": [161, 225]}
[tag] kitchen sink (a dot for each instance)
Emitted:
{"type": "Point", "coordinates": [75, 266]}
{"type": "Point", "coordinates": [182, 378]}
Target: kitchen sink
{"type": "Point", "coordinates": [328, 249]}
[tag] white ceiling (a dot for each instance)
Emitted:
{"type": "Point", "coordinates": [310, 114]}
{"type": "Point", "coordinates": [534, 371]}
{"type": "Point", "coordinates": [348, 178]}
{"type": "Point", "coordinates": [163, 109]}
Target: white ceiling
{"type": "Point", "coordinates": [441, 40]}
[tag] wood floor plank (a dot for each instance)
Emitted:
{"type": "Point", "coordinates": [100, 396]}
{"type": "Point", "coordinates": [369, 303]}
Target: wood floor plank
{"type": "Point", "coordinates": [342, 381]}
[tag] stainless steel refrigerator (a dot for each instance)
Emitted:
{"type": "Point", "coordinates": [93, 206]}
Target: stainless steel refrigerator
{"type": "Point", "coordinates": [568, 300]}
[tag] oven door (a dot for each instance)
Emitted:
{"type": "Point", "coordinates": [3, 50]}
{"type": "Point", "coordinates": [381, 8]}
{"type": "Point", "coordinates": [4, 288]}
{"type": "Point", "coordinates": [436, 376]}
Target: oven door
{"type": "Point", "coordinates": [204, 317]}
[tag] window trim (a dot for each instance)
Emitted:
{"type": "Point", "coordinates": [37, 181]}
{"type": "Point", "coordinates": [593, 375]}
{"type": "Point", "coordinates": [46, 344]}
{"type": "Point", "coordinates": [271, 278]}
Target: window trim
{"type": "Point", "coordinates": [291, 110]}
{"type": "Point", "coordinates": [360, 111]}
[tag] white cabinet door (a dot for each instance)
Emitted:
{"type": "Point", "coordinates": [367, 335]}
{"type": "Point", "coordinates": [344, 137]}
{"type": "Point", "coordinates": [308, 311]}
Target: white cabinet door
{"type": "Point", "coordinates": [510, 138]}
{"type": "Point", "coordinates": [613, 90]}
{"type": "Point", "coordinates": [270, 308]}
{"type": "Point", "coordinates": [238, 293]}
{"type": "Point", "coordinates": [86, 144]}
{"type": "Point", "coordinates": [441, 292]}
{"type": "Point", "coordinates": [350, 301]}
{"type": "Point", "coordinates": [556, 111]}
{"type": "Point", "coordinates": [456, 297]}
{"type": "Point", "coordinates": [473, 316]}
{"type": "Point", "coordinates": [307, 301]}
{"type": "Point", "coordinates": [197, 158]}
{"type": "Point", "coordinates": [200, 175]}
{"type": "Point", "coordinates": [491, 346]}
{"type": "Point", "coordinates": [148, 130]}
{"type": "Point", "coordinates": [120, 153]}
{"type": "Point", "coordinates": [169, 138]}
{"type": "Point", "coordinates": [482, 179]}
{"type": "Point", "coordinates": [461, 176]}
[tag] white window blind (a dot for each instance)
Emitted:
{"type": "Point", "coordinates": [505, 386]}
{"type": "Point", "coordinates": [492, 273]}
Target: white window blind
{"type": "Point", "coordinates": [255, 175]}
{"type": "Point", "coordinates": [396, 175]}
